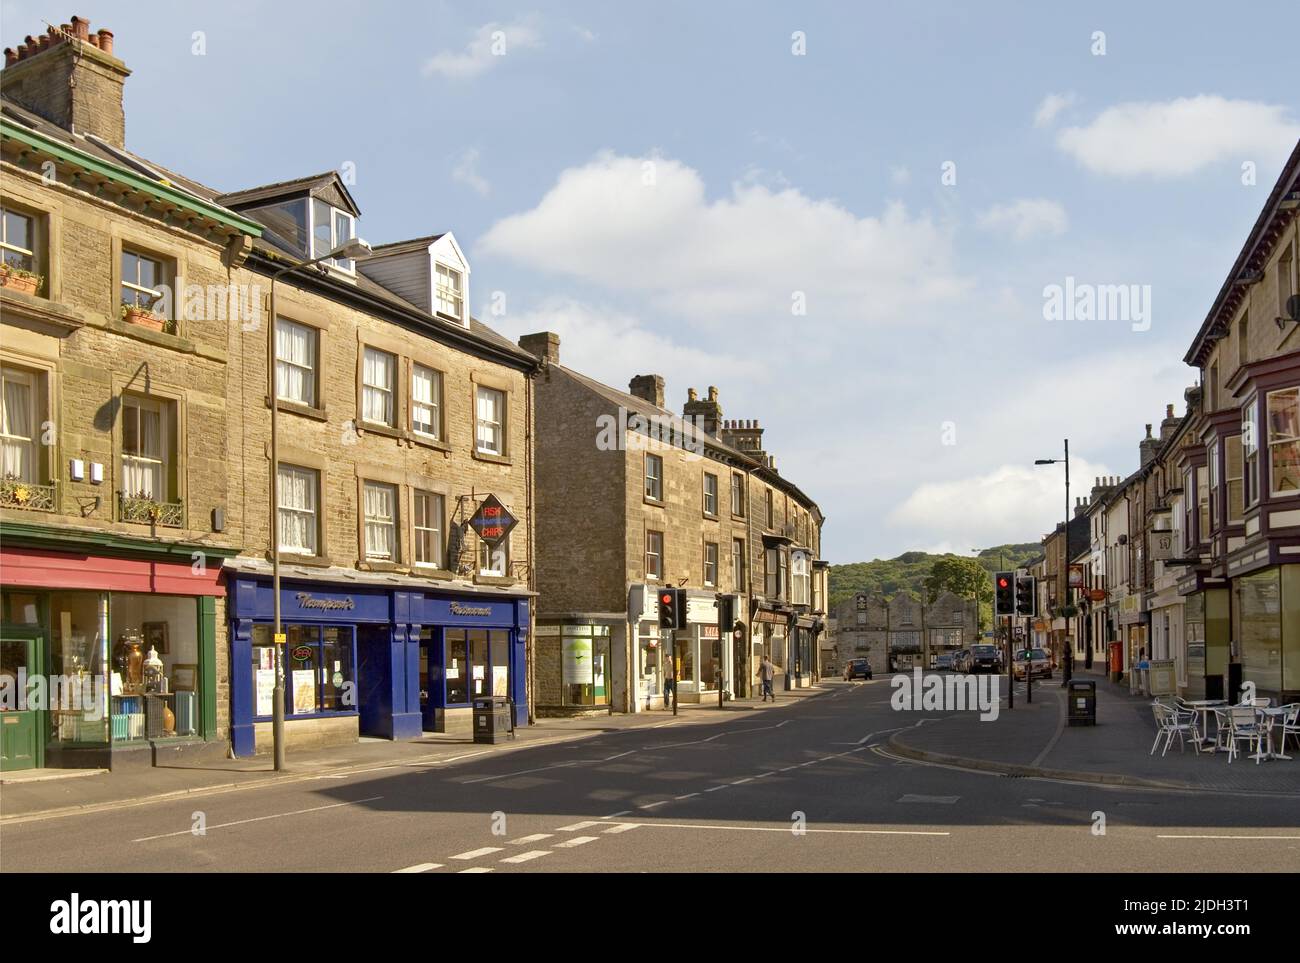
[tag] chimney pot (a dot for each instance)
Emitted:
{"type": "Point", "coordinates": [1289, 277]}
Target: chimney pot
{"type": "Point", "coordinates": [94, 40]}
{"type": "Point", "coordinates": [106, 41]}
{"type": "Point", "coordinates": [713, 393]}
{"type": "Point", "coordinates": [80, 28]}
{"type": "Point", "coordinates": [11, 56]}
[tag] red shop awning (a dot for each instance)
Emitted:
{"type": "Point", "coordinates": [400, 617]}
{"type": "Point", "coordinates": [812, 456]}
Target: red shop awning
{"type": "Point", "coordinates": [44, 568]}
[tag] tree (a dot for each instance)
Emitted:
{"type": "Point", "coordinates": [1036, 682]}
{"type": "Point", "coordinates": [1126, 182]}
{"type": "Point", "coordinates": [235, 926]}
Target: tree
{"type": "Point", "coordinates": [963, 577]}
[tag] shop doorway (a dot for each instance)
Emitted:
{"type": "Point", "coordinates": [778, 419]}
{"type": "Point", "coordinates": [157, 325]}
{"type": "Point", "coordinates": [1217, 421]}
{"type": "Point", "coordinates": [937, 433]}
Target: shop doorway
{"type": "Point", "coordinates": [374, 680]}
{"type": "Point", "coordinates": [22, 728]}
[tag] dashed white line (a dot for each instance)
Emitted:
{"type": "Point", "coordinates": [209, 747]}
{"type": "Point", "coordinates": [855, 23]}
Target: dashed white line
{"type": "Point", "coordinates": [1172, 836]}
{"type": "Point", "coordinates": [535, 837]}
{"type": "Point", "coordinates": [621, 828]}
{"type": "Point", "coordinates": [576, 826]}
{"type": "Point", "coordinates": [419, 868]}
{"type": "Point", "coordinates": [741, 782]}
{"type": "Point", "coordinates": [258, 819]}
{"type": "Point", "coordinates": [715, 788]}
{"type": "Point", "coordinates": [525, 857]}
{"type": "Point", "coordinates": [652, 805]}
{"type": "Point", "coordinates": [476, 853]}
{"type": "Point", "coordinates": [479, 869]}
{"type": "Point", "coordinates": [688, 795]}
{"type": "Point", "coordinates": [576, 841]}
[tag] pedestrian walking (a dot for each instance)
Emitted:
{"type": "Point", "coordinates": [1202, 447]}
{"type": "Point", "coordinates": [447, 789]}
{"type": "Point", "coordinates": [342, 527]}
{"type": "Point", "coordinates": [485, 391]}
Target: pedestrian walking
{"type": "Point", "coordinates": [670, 680]}
{"type": "Point", "coordinates": [766, 672]}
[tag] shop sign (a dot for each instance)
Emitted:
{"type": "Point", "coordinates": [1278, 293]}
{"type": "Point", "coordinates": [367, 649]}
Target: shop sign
{"type": "Point", "coordinates": [479, 611]}
{"type": "Point", "coordinates": [1160, 545]}
{"type": "Point", "coordinates": [1076, 576]}
{"type": "Point", "coordinates": [699, 609]}
{"type": "Point", "coordinates": [308, 601]}
{"type": "Point", "coordinates": [642, 604]}
{"type": "Point", "coordinates": [492, 522]}
{"type": "Point", "coordinates": [577, 663]}
{"type": "Point", "coordinates": [708, 631]}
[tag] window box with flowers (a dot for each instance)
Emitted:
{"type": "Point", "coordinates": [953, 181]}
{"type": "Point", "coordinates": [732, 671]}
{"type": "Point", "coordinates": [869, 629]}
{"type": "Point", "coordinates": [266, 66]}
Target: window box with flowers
{"type": "Point", "coordinates": [19, 279]}
{"type": "Point", "coordinates": [16, 493]}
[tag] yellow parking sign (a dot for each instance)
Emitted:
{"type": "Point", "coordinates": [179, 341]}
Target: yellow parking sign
{"type": "Point", "coordinates": [281, 638]}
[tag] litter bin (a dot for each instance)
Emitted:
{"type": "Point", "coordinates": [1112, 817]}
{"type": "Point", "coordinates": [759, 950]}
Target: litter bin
{"type": "Point", "coordinates": [1083, 702]}
{"type": "Point", "coordinates": [492, 719]}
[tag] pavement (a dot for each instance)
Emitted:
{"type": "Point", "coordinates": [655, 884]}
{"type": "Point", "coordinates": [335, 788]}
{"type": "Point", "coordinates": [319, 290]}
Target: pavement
{"type": "Point", "coordinates": [50, 791]}
{"type": "Point", "coordinates": [810, 784]}
{"type": "Point", "coordinates": [1033, 739]}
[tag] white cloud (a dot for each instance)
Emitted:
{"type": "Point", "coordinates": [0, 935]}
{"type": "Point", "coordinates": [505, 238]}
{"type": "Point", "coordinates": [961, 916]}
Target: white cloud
{"type": "Point", "coordinates": [1026, 219]}
{"type": "Point", "coordinates": [900, 176]}
{"type": "Point", "coordinates": [1011, 503]}
{"type": "Point", "coordinates": [612, 346]}
{"type": "Point", "coordinates": [1178, 137]}
{"type": "Point", "coordinates": [1052, 105]}
{"type": "Point", "coordinates": [646, 225]}
{"type": "Point", "coordinates": [466, 172]}
{"type": "Point", "coordinates": [491, 44]}
{"type": "Point", "coordinates": [590, 36]}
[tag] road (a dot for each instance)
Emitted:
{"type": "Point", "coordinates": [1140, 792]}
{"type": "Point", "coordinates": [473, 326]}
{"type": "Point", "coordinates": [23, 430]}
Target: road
{"type": "Point", "coordinates": [809, 786]}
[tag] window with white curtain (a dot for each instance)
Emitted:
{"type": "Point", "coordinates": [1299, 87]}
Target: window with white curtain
{"type": "Point", "coordinates": [378, 399]}
{"type": "Point", "coordinates": [429, 510]}
{"type": "Point", "coordinates": [490, 431]}
{"type": "Point", "coordinates": [494, 559]}
{"type": "Point", "coordinates": [381, 521]}
{"type": "Point", "coordinates": [299, 498]}
{"type": "Point", "coordinates": [450, 293]}
{"type": "Point", "coordinates": [426, 400]}
{"type": "Point", "coordinates": [18, 420]}
{"type": "Point", "coordinates": [144, 449]}
{"type": "Point", "coordinates": [295, 362]}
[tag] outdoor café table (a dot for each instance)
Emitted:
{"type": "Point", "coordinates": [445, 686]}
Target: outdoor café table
{"type": "Point", "coordinates": [1272, 714]}
{"type": "Point", "coordinates": [1203, 708]}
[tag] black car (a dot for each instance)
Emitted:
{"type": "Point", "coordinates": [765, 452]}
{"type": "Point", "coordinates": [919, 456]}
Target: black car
{"type": "Point", "coordinates": [984, 658]}
{"type": "Point", "coordinates": [857, 669]}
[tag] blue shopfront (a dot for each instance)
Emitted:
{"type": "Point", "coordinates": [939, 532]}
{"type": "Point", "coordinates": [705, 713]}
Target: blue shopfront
{"type": "Point", "coordinates": [369, 661]}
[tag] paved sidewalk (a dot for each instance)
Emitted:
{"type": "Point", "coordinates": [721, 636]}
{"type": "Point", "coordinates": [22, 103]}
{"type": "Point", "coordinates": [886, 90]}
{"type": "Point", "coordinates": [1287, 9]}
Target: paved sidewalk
{"type": "Point", "coordinates": [1034, 740]}
{"type": "Point", "coordinates": [49, 791]}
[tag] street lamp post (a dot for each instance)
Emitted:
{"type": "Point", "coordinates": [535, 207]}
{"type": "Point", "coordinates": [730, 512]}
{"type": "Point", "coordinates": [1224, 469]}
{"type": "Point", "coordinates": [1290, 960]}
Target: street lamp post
{"type": "Point", "coordinates": [1065, 563]}
{"type": "Point", "coordinates": [353, 250]}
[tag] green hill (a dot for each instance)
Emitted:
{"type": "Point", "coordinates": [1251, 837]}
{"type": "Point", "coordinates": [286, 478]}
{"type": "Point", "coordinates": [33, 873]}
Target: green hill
{"type": "Point", "coordinates": [907, 572]}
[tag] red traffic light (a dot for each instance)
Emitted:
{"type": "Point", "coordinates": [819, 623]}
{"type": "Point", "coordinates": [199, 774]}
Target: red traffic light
{"type": "Point", "coordinates": [1003, 583]}
{"type": "Point", "coordinates": [666, 598]}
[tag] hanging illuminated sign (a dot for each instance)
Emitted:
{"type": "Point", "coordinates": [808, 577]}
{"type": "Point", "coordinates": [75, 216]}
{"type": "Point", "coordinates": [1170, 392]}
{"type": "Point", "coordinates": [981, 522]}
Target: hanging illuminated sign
{"type": "Point", "coordinates": [492, 521]}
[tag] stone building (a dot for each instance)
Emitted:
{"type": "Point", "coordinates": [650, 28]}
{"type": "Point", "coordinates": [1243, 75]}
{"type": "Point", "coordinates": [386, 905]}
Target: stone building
{"type": "Point", "coordinates": [137, 447]}
{"type": "Point", "coordinates": [632, 497]}
{"type": "Point", "coordinates": [903, 632]}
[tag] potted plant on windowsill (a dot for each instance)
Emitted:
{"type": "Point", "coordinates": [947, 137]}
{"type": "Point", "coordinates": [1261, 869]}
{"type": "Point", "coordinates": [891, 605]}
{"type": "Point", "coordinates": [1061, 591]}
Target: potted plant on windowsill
{"type": "Point", "coordinates": [20, 279]}
{"type": "Point", "coordinates": [142, 315]}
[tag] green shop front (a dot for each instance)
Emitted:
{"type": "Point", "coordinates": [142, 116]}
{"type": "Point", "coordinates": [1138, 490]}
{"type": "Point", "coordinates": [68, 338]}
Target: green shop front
{"type": "Point", "coordinates": [107, 651]}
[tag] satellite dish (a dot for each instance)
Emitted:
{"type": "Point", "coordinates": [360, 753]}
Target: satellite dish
{"type": "Point", "coordinates": [1292, 309]}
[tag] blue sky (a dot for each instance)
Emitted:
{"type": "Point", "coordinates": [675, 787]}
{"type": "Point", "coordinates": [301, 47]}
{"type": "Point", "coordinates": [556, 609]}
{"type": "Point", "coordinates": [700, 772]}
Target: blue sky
{"type": "Point", "coordinates": [662, 184]}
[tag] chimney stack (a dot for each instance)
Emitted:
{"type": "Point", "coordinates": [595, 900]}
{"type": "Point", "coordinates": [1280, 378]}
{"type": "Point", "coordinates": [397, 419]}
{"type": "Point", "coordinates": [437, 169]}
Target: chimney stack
{"type": "Point", "coordinates": [71, 78]}
{"type": "Point", "coordinates": [1169, 425]}
{"type": "Point", "coordinates": [648, 388]}
{"type": "Point", "coordinates": [706, 415]}
{"type": "Point", "coordinates": [543, 344]}
{"type": "Point", "coordinates": [1147, 448]}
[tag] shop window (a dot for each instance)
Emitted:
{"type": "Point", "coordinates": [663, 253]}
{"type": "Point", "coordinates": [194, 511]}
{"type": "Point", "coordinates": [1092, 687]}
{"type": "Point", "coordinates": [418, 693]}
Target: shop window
{"type": "Point", "coordinates": [1258, 613]}
{"type": "Point", "coordinates": [490, 427]}
{"type": "Point", "coordinates": [378, 387]}
{"type": "Point", "coordinates": [429, 512]}
{"type": "Point", "coordinates": [154, 698]}
{"type": "Point", "coordinates": [319, 669]}
{"type": "Point", "coordinates": [477, 664]}
{"type": "Point", "coordinates": [79, 657]}
{"type": "Point", "coordinates": [426, 401]}
{"type": "Point", "coordinates": [380, 510]}
{"type": "Point", "coordinates": [299, 498]}
{"type": "Point", "coordinates": [710, 494]}
{"type": "Point", "coordinates": [456, 667]}
{"type": "Point", "coordinates": [297, 349]}
{"type": "Point", "coordinates": [1284, 441]}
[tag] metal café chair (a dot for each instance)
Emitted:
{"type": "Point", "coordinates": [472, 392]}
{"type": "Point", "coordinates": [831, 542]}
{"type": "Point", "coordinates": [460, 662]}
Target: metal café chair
{"type": "Point", "coordinates": [1287, 725]}
{"type": "Point", "coordinates": [1244, 726]}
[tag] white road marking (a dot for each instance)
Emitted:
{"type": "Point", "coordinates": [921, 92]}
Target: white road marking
{"type": "Point", "coordinates": [258, 819]}
{"type": "Point", "coordinates": [479, 869]}
{"type": "Point", "coordinates": [787, 768]}
{"type": "Point", "coordinates": [1171, 836]}
{"type": "Point", "coordinates": [741, 782]}
{"type": "Point", "coordinates": [761, 775]}
{"type": "Point", "coordinates": [576, 826]}
{"type": "Point", "coordinates": [918, 798]}
{"type": "Point", "coordinates": [535, 837]}
{"type": "Point", "coordinates": [621, 812]}
{"type": "Point", "coordinates": [715, 788]}
{"type": "Point", "coordinates": [688, 795]}
{"type": "Point", "coordinates": [419, 868]}
{"type": "Point", "coordinates": [621, 828]}
{"type": "Point", "coordinates": [576, 841]}
{"type": "Point", "coordinates": [476, 853]}
{"type": "Point", "coordinates": [521, 772]}
{"type": "Point", "coordinates": [525, 857]}
{"type": "Point", "coordinates": [786, 830]}
{"type": "Point", "coordinates": [619, 755]}
{"type": "Point", "coordinates": [652, 805]}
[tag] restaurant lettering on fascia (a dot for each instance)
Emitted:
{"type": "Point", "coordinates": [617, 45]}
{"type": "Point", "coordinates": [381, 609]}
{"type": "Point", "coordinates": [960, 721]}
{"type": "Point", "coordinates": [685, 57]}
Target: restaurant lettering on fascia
{"type": "Point", "coordinates": [138, 354]}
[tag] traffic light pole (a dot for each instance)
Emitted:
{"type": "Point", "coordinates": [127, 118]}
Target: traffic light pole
{"type": "Point", "coordinates": [1011, 663]}
{"type": "Point", "coordinates": [1029, 666]}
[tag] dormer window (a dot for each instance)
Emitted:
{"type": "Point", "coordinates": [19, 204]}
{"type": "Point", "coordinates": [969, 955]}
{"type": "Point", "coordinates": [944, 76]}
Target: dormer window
{"type": "Point", "coordinates": [330, 228]}
{"type": "Point", "coordinates": [449, 292]}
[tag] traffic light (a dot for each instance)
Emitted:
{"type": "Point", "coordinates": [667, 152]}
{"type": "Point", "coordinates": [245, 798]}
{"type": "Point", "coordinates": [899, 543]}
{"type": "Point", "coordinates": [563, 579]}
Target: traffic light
{"type": "Point", "coordinates": [672, 608]}
{"type": "Point", "coordinates": [726, 611]}
{"type": "Point", "coordinates": [1026, 595]}
{"type": "Point", "coordinates": [1004, 594]}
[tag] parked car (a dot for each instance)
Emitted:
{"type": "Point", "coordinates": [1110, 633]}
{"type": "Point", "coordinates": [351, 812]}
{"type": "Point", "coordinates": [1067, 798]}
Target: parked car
{"type": "Point", "coordinates": [945, 661]}
{"type": "Point", "coordinates": [857, 669]}
{"type": "Point", "coordinates": [984, 658]}
{"type": "Point", "coordinates": [1040, 663]}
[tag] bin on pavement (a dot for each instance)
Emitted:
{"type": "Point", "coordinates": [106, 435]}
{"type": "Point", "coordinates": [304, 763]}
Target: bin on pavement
{"type": "Point", "coordinates": [492, 719]}
{"type": "Point", "coordinates": [1082, 694]}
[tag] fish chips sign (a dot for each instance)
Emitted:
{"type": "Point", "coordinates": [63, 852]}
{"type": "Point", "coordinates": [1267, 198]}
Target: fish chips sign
{"type": "Point", "coordinates": [492, 522]}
